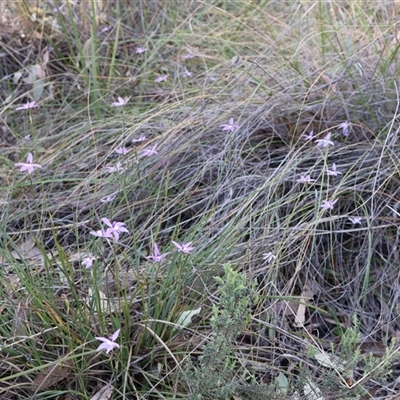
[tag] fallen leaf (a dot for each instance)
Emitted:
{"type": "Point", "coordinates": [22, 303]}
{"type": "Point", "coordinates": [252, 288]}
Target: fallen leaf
{"type": "Point", "coordinates": [282, 382]}
{"type": "Point", "coordinates": [307, 295]}
{"type": "Point", "coordinates": [52, 374]}
{"type": "Point", "coordinates": [186, 317]}
{"type": "Point", "coordinates": [27, 249]}
{"type": "Point", "coordinates": [312, 392]}
{"type": "Point", "coordinates": [104, 393]}
{"type": "Point", "coordinates": [330, 361]}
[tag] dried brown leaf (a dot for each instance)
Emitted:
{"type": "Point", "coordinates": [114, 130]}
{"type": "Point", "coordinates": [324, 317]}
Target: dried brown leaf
{"type": "Point", "coordinates": [52, 374]}
{"type": "Point", "coordinates": [104, 393]}
{"type": "Point", "coordinates": [307, 294]}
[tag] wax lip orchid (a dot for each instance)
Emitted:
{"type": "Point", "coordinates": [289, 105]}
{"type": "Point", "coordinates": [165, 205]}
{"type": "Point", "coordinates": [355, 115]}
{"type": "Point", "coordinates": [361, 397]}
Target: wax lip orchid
{"type": "Point", "coordinates": [122, 150]}
{"type": "Point", "coordinates": [328, 204]}
{"type": "Point", "coordinates": [161, 78]}
{"type": "Point", "coordinates": [149, 151]}
{"type": "Point", "coordinates": [88, 261]}
{"type": "Point", "coordinates": [305, 179]}
{"type": "Point", "coordinates": [27, 106]}
{"type": "Point", "coordinates": [29, 166]}
{"type": "Point", "coordinates": [334, 171]}
{"type": "Point", "coordinates": [139, 139]}
{"type": "Point", "coordinates": [310, 136]}
{"type": "Point", "coordinates": [231, 126]}
{"type": "Point", "coordinates": [345, 127]}
{"type": "Point", "coordinates": [115, 168]}
{"type": "Point", "coordinates": [269, 257]}
{"type": "Point", "coordinates": [326, 141]}
{"type": "Point", "coordinates": [185, 248]}
{"type": "Point", "coordinates": [121, 101]}
{"type": "Point", "coordinates": [114, 228]}
{"type": "Point", "coordinates": [101, 233]}
{"type": "Point", "coordinates": [109, 343]}
{"type": "Point", "coordinates": [113, 231]}
{"type": "Point", "coordinates": [157, 256]}
{"type": "Point", "coordinates": [355, 220]}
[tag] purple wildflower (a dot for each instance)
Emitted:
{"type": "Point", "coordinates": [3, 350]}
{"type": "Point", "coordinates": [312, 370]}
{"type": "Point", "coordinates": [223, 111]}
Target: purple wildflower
{"type": "Point", "coordinates": [305, 179]}
{"type": "Point", "coordinates": [139, 139]}
{"type": "Point", "coordinates": [101, 233]}
{"type": "Point", "coordinates": [88, 261]}
{"type": "Point", "coordinates": [109, 343]}
{"type": "Point", "coordinates": [161, 78]}
{"type": "Point", "coordinates": [355, 220]}
{"type": "Point", "coordinates": [114, 228]}
{"type": "Point", "coordinates": [334, 171]}
{"type": "Point", "coordinates": [326, 141]}
{"type": "Point", "coordinates": [156, 256]}
{"type": "Point", "coordinates": [185, 248]}
{"type": "Point", "coordinates": [122, 150]}
{"type": "Point", "coordinates": [121, 101]}
{"type": "Point", "coordinates": [29, 166]}
{"type": "Point", "coordinates": [27, 106]}
{"type": "Point", "coordinates": [328, 205]}
{"type": "Point", "coordinates": [186, 73]}
{"type": "Point", "coordinates": [150, 152]}
{"type": "Point", "coordinates": [117, 168]}
{"type": "Point", "coordinates": [231, 126]}
{"type": "Point", "coordinates": [345, 127]}
{"type": "Point", "coordinates": [310, 136]}
{"type": "Point", "coordinates": [269, 257]}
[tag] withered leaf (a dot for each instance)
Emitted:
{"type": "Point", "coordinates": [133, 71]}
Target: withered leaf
{"type": "Point", "coordinates": [52, 374]}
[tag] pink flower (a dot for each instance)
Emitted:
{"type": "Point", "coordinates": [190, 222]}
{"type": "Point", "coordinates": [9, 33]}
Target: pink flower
{"type": "Point", "coordinates": [345, 126]}
{"type": "Point", "coordinates": [326, 141]}
{"type": "Point", "coordinates": [156, 256]}
{"type": "Point", "coordinates": [269, 257]}
{"type": "Point", "coordinates": [109, 343]}
{"type": "Point", "coordinates": [161, 78]}
{"type": "Point", "coordinates": [149, 152]}
{"type": "Point", "coordinates": [105, 29]}
{"type": "Point", "coordinates": [101, 233]}
{"type": "Point", "coordinates": [139, 139]}
{"type": "Point", "coordinates": [114, 229]}
{"type": "Point", "coordinates": [188, 55]}
{"type": "Point", "coordinates": [28, 166]}
{"type": "Point", "coordinates": [27, 106]}
{"type": "Point", "coordinates": [187, 73]}
{"type": "Point", "coordinates": [58, 9]}
{"type": "Point", "coordinates": [118, 168]}
{"type": "Point", "coordinates": [328, 205]}
{"type": "Point", "coordinates": [140, 50]}
{"type": "Point", "coordinates": [305, 179]}
{"type": "Point", "coordinates": [355, 220]}
{"type": "Point", "coordinates": [231, 126]}
{"type": "Point", "coordinates": [333, 171]}
{"type": "Point", "coordinates": [88, 261]}
{"type": "Point", "coordinates": [185, 248]}
{"type": "Point", "coordinates": [310, 136]}
{"type": "Point", "coordinates": [122, 150]}
{"type": "Point", "coordinates": [121, 101]}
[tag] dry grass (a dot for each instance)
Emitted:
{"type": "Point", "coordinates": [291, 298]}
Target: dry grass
{"type": "Point", "coordinates": [280, 69]}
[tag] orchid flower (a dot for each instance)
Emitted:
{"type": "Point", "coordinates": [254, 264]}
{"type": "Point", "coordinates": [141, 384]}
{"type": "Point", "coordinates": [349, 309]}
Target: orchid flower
{"type": "Point", "coordinates": [109, 343]}
{"type": "Point", "coordinates": [29, 166]}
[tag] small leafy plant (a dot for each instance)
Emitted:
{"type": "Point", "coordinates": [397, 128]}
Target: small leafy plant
{"type": "Point", "coordinates": [217, 374]}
